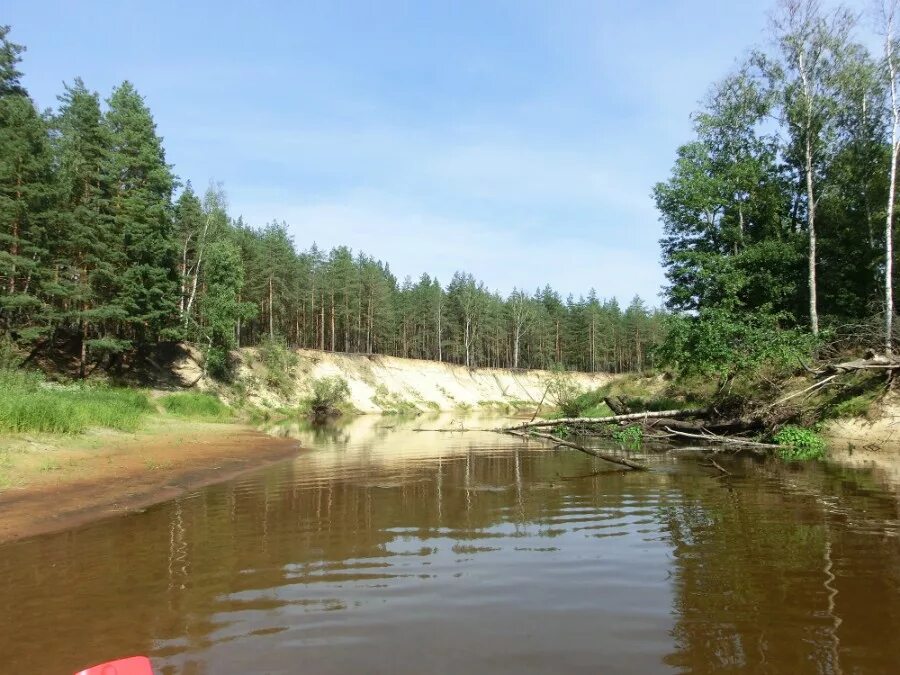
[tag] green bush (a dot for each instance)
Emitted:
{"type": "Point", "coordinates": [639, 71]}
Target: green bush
{"type": "Point", "coordinates": [280, 364]}
{"type": "Point", "coordinates": [724, 344]}
{"type": "Point", "coordinates": [328, 395]}
{"type": "Point", "coordinates": [564, 393]}
{"type": "Point", "coordinates": [197, 406]}
{"type": "Point", "coordinates": [28, 403]}
{"type": "Point", "coordinates": [800, 443]}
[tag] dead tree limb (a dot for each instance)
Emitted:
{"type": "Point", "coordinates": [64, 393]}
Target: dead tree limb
{"type": "Point", "coordinates": [538, 409]}
{"type": "Point", "coordinates": [872, 363]}
{"type": "Point", "coordinates": [718, 466]}
{"type": "Point", "coordinates": [588, 421]}
{"type": "Point", "coordinates": [725, 440]}
{"type": "Point", "coordinates": [636, 466]}
{"type": "Point", "coordinates": [817, 385]}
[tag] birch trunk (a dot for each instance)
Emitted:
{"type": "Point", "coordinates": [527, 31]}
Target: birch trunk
{"type": "Point", "coordinates": [811, 223]}
{"type": "Point", "coordinates": [271, 319]}
{"type": "Point", "coordinates": [889, 221]}
{"type": "Point", "coordinates": [202, 245]}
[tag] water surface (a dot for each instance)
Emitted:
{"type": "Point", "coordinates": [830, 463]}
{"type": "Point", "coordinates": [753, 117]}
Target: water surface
{"type": "Point", "coordinates": [384, 549]}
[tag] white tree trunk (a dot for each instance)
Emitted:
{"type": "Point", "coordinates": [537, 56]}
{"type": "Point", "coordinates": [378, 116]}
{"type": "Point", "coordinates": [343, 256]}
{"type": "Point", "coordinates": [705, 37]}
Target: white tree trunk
{"type": "Point", "coordinates": [202, 245]}
{"type": "Point", "coordinates": [516, 347]}
{"type": "Point", "coordinates": [468, 360]}
{"type": "Point", "coordinates": [811, 224]}
{"type": "Point", "coordinates": [439, 336]}
{"type": "Point", "coordinates": [895, 148]}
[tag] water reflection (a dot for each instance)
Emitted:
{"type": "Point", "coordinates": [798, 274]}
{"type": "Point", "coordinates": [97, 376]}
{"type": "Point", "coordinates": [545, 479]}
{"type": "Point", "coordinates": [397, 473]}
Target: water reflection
{"type": "Point", "coordinates": [387, 548]}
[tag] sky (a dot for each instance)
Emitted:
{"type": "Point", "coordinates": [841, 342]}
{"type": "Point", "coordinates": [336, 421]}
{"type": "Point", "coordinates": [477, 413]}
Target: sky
{"type": "Point", "coordinates": [515, 140]}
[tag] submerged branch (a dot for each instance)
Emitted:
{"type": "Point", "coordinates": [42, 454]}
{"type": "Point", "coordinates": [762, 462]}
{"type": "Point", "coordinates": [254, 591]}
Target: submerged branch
{"type": "Point", "coordinates": [636, 466]}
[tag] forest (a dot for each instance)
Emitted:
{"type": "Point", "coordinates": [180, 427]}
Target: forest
{"type": "Point", "coordinates": [778, 216]}
{"type": "Point", "coordinates": [104, 251]}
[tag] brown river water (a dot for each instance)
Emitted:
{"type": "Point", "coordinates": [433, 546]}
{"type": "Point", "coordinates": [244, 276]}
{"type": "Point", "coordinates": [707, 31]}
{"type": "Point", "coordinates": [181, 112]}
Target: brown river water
{"type": "Point", "coordinates": [383, 549]}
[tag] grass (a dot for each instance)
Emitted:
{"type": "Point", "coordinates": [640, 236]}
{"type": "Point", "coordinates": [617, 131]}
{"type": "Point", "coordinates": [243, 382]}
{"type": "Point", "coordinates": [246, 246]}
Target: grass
{"type": "Point", "coordinates": [28, 403]}
{"type": "Point", "coordinates": [858, 397]}
{"type": "Point", "coordinates": [196, 406]}
{"type": "Point", "coordinates": [496, 406]}
{"type": "Point", "coordinates": [393, 404]}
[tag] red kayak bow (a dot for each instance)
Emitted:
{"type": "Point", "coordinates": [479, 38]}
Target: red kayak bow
{"type": "Point", "coordinates": [135, 665]}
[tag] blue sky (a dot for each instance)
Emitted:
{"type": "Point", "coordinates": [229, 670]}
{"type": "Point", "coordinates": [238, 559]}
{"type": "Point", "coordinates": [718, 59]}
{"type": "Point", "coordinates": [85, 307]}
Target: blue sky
{"type": "Point", "coordinates": [515, 140]}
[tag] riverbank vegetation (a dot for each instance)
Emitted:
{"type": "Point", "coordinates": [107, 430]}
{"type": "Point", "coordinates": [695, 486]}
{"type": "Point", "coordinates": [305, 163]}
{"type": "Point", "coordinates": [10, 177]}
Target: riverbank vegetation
{"type": "Point", "coordinates": [778, 224]}
{"type": "Point", "coordinates": [30, 403]}
{"type": "Point", "coordinates": [779, 214]}
{"type": "Point", "coordinates": [196, 406]}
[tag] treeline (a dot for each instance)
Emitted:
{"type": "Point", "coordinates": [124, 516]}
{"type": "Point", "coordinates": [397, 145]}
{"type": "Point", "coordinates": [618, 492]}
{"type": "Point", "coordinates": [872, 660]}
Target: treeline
{"type": "Point", "coordinates": [97, 253]}
{"type": "Point", "coordinates": [779, 215]}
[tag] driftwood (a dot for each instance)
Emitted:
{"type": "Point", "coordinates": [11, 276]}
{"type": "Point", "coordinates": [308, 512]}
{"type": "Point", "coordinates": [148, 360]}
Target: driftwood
{"type": "Point", "coordinates": [738, 424]}
{"type": "Point", "coordinates": [588, 421]}
{"type": "Point", "coordinates": [725, 440]}
{"type": "Point", "coordinates": [636, 466]}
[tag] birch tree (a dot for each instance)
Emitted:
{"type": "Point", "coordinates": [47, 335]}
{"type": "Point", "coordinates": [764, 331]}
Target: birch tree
{"type": "Point", "coordinates": [811, 45]}
{"type": "Point", "coordinates": [521, 313]}
{"type": "Point", "coordinates": [889, 12]}
{"type": "Point", "coordinates": [214, 219]}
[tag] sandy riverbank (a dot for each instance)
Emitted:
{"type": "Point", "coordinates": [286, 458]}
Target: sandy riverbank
{"type": "Point", "coordinates": [50, 483]}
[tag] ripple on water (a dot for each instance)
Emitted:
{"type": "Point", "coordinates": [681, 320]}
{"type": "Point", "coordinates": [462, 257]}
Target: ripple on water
{"type": "Point", "coordinates": [412, 552]}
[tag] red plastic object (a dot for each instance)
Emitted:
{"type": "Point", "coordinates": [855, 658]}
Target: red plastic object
{"type": "Point", "coordinates": [135, 665]}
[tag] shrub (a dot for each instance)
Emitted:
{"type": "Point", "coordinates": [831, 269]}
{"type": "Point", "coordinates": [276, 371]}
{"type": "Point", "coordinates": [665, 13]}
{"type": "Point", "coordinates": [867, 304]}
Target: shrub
{"type": "Point", "coordinates": [721, 343]}
{"type": "Point", "coordinates": [800, 443]}
{"type": "Point", "coordinates": [280, 364]}
{"type": "Point", "coordinates": [328, 394]}
{"type": "Point", "coordinates": [564, 392]}
{"type": "Point", "coordinates": [196, 406]}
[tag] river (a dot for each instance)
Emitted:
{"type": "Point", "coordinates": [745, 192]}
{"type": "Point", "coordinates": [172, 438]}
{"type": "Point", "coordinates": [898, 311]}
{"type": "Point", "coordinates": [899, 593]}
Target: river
{"type": "Point", "coordinates": [390, 548]}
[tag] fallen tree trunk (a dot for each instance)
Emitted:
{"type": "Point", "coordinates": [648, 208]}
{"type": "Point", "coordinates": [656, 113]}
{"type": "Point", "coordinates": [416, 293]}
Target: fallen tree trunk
{"type": "Point", "coordinates": [729, 440]}
{"type": "Point", "coordinates": [588, 421]}
{"type": "Point", "coordinates": [724, 426]}
{"type": "Point", "coordinates": [617, 405]}
{"type": "Point", "coordinates": [636, 466]}
{"type": "Point", "coordinates": [873, 363]}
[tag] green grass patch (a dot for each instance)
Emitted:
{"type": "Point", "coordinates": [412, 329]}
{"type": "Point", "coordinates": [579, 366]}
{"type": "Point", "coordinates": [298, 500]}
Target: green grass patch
{"type": "Point", "coordinates": [800, 443]}
{"type": "Point", "coordinates": [196, 406]}
{"type": "Point", "coordinates": [857, 396]}
{"type": "Point", "coordinates": [393, 404]}
{"type": "Point", "coordinates": [631, 437]}
{"type": "Point", "coordinates": [855, 406]}
{"type": "Point", "coordinates": [496, 406]}
{"type": "Point", "coordinates": [30, 404]}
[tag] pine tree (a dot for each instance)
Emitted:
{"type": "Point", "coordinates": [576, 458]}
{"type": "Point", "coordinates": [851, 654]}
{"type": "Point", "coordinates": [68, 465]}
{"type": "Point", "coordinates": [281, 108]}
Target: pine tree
{"type": "Point", "coordinates": [86, 253]}
{"type": "Point", "coordinates": [141, 205]}
{"type": "Point", "coordinates": [26, 201]}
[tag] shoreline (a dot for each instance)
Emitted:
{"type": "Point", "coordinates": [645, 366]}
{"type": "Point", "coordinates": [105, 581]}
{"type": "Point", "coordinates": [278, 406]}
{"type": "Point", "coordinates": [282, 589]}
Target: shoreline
{"type": "Point", "coordinates": [102, 474]}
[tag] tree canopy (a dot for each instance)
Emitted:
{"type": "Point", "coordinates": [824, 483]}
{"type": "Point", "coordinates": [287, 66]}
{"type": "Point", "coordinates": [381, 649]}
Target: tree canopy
{"type": "Point", "coordinates": [103, 252]}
